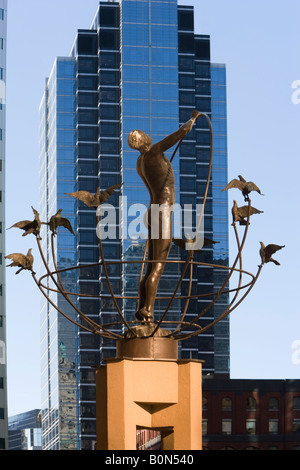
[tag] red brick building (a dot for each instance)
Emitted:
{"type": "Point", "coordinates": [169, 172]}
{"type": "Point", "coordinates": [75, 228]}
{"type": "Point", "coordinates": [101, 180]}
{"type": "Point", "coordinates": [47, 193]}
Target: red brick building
{"type": "Point", "coordinates": [251, 414]}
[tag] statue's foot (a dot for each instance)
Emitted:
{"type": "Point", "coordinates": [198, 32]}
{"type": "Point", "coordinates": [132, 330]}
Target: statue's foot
{"type": "Point", "coordinates": [144, 316]}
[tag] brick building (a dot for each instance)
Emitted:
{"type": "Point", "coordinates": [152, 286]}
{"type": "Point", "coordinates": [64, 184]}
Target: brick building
{"type": "Point", "coordinates": [241, 414]}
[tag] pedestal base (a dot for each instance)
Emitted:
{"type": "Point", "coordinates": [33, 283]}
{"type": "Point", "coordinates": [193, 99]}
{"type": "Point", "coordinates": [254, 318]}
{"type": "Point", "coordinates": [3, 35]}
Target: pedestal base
{"type": "Point", "coordinates": [165, 395]}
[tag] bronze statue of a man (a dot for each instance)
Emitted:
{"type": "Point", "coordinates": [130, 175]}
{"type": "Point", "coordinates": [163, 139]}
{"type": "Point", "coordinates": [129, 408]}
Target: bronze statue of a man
{"type": "Point", "coordinates": [157, 173]}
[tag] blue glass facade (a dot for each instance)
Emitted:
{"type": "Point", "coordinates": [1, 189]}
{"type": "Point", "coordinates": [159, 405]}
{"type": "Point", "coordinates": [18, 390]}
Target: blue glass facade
{"type": "Point", "coordinates": [220, 211]}
{"type": "Point", "coordinates": [149, 95]}
{"type": "Point", "coordinates": [59, 352]}
{"type": "Point", "coordinates": [25, 431]}
{"type": "Point", "coordinates": [139, 66]}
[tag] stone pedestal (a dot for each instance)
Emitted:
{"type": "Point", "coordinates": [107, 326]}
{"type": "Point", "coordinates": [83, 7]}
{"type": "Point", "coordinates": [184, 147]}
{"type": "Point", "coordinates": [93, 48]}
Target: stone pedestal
{"type": "Point", "coordinates": [161, 394]}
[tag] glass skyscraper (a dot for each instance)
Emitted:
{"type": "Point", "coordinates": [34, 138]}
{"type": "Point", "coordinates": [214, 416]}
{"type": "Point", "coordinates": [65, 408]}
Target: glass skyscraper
{"type": "Point", "coordinates": [24, 431]}
{"type": "Point", "coordinates": [139, 66]}
{"type": "Point", "coordinates": [3, 369]}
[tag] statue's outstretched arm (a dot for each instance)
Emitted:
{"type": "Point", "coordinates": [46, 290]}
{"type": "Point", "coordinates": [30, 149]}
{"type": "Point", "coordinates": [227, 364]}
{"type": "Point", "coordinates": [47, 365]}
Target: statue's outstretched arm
{"type": "Point", "coordinates": [172, 139]}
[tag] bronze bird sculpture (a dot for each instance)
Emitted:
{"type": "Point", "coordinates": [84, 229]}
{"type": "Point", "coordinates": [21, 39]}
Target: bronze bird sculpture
{"type": "Point", "coordinates": [245, 186]}
{"type": "Point", "coordinates": [58, 221]}
{"type": "Point", "coordinates": [181, 243]}
{"type": "Point", "coordinates": [94, 200]}
{"type": "Point", "coordinates": [266, 253]}
{"type": "Point", "coordinates": [21, 261]}
{"type": "Point", "coordinates": [240, 214]}
{"type": "Point", "coordinates": [30, 226]}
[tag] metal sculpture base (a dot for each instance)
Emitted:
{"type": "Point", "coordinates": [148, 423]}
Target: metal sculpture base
{"type": "Point", "coordinates": [147, 347]}
{"type": "Point", "coordinates": [148, 393]}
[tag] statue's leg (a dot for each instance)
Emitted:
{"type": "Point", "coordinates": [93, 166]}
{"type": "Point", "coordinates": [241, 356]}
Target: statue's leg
{"type": "Point", "coordinates": [161, 248]}
{"type": "Point", "coordinates": [142, 285]}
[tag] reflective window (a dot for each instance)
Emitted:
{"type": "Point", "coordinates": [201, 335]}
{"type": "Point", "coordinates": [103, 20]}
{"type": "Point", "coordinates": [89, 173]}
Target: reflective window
{"type": "Point", "coordinates": [186, 64]}
{"type": "Point", "coordinates": [202, 70]}
{"type": "Point", "coordinates": [251, 403]}
{"type": "Point", "coordinates": [202, 87]}
{"type": "Point", "coordinates": [87, 116]}
{"type": "Point", "coordinates": [87, 44]}
{"type": "Point", "coordinates": [186, 81]}
{"type": "Point", "coordinates": [109, 112]}
{"type": "Point", "coordinates": [203, 138]}
{"type": "Point", "coordinates": [296, 425]}
{"type": "Point", "coordinates": [226, 404]}
{"type": "Point", "coordinates": [109, 60]}
{"type": "Point", "coordinates": [87, 184]}
{"type": "Point", "coordinates": [186, 19]}
{"type": "Point", "coordinates": [109, 77]}
{"type": "Point", "coordinates": [296, 403]}
{"type": "Point", "coordinates": [88, 150]}
{"type": "Point", "coordinates": [109, 16]}
{"type": "Point", "coordinates": [87, 100]}
{"type": "Point", "coordinates": [251, 426]}
{"type": "Point", "coordinates": [273, 426]}
{"type": "Point", "coordinates": [66, 87]}
{"type": "Point", "coordinates": [109, 39]}
{"type": "Point", "coordinates": [87, 65]}
{"type": "Point", "coordinates": [87, 82]}
{"type": "Point", "coordinates": [109, 164]}
{"type": "Point", "coordinates": [66, 103]}
{"type": "Point", "coordinates": [186, 42]}
{"type": "Point", "coordinates": [202, 49]}
{"type": "Point", "coordinates": [66, 120]}
{"type": "Point", "coordinates": [109, 95]}
{"type": "Point", "coordinates": [109, 146]}
{"type": "Point", "coordinates": [226, 426]}
{"type": "Point", "coordinates": [88, 168]}
{"type": "Point", "coordinates": [187, 98]}
{"type": "Point", "coordinates": [109, 128]}
{"type": "Point", "coordinates": [88, 134]}
{"type": "Point", "coordinates": [87, 237]}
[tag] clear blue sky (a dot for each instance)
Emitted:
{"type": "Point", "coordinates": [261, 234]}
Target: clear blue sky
{"type": "Point", "coordinates": [259, 42]}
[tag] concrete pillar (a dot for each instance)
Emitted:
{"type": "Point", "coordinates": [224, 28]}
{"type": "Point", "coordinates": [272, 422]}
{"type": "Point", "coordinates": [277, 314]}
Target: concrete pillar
{"type": "Point", "coordinates": [159, 394]}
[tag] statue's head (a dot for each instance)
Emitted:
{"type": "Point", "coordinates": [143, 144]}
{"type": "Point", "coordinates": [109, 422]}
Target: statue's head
{"type": "Point", "coordinates": [138, 140]}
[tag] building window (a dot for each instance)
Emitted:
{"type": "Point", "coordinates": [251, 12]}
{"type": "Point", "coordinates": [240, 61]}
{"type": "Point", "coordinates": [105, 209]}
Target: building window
{"type": "Point", "coordinates": [273, 426]}
{"type": "Point", "coordinates": [273, 403]}
{"type": "Point", "coordinates": [251, 426]}
{"type": "Point", "coordinates": [1, 13]}
{"type": "Point", "coordinates": [296, 425]}
{"type": "Point", "coordinates": [226, 426]}
{"type": "Point", "coordinates": [251, 403]}
{"type": "Point", "coordinates": [296, 403]}
{"type": "Point", "coordinates": [1, 43]}
{"type": "Point", "coordinates": [226, 404]}
{"type": "Point", "coordinates": [87, 45]}
{"type": "Point", "coordinates": [204, 427]}
{"type": "Point", "coordinates": [1, 413]}
{"type": "Point", "coordinates": [204, 404]}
